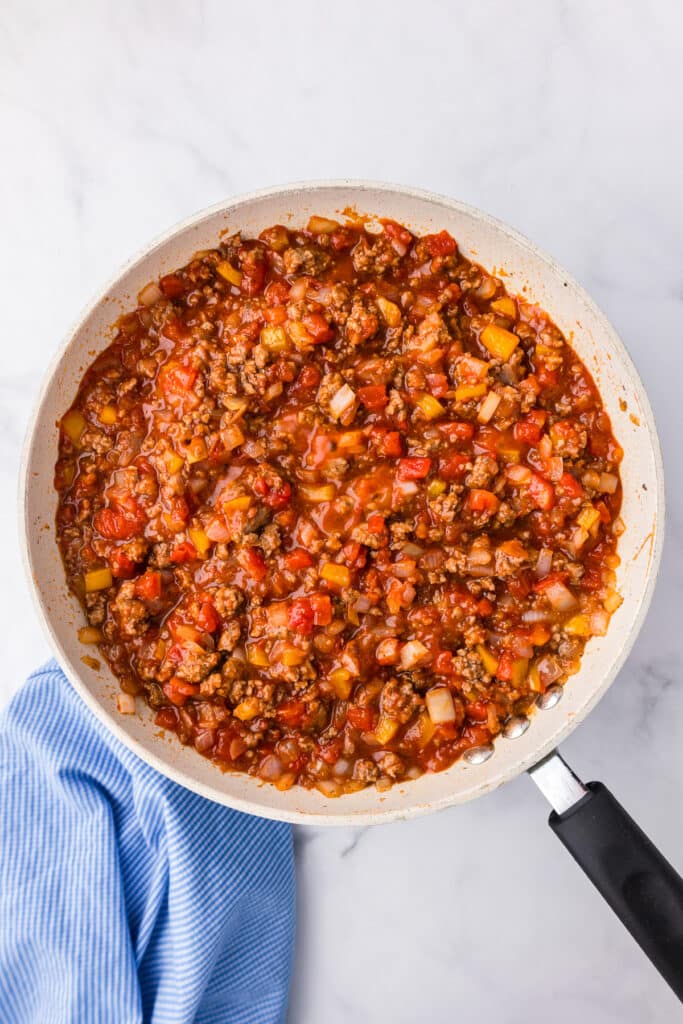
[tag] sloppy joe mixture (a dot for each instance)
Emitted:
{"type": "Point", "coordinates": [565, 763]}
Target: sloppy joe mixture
{"type": "Point", "coordinates": [337, 506]}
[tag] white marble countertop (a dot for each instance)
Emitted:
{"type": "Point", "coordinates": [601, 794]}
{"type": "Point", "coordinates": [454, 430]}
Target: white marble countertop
{"type": "Point", "coordinates": [563, 119]}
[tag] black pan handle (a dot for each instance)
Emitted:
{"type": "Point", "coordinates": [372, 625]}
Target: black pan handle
{"type": "Point", "coordinates": [639, 884]}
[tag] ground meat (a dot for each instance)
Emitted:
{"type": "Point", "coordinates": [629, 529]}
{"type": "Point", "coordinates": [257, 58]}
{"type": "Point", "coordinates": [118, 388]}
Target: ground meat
{"type": "Point", "coordinates": [365, 770]}
{"type": "Point", "coordinates": [398, 699]}
{"type": "Point", "coordinates": [305, 259]}
{"type": "Point", "coordinates": [130, 612]}
{"type": "Point", "coordinates": [374, 258]}
{"type": "Point", "coordinates": [483, 472]}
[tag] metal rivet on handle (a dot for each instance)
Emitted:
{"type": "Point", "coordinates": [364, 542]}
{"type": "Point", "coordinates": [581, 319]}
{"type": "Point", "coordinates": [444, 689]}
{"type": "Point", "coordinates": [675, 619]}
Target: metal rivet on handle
{"type": "Point", "coordinates": [552, 696]}
{"type": "Point", "coordinates": [515, 726]}
{"type": "Point", "coordinates": [477, 755]}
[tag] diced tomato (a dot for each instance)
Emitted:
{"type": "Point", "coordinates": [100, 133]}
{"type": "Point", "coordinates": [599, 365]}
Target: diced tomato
{"type": "Point", "coordinates": [291, 712]}
{"type": "Point", "coordinates": [441, 244]}
{"type": "Point", "coordinates": [318, 327]}
{"type": "Point", "coordinates": [355, 554]}
{"type": "Point", "coordinates": [175, 379]}
{"type": "Point", "coordinates": [172, 286]}
{"type": "Point", "coordinates": [208, 618]}
{"type": "Point", "coordinates": [175, 329]}
{"type": "Point", "coordinates": [605, 515]}
{"type": "Point", "coordinates": [177, 690]}
{"type": "Point", "coordinates": [569, 487]}
{"type": "Point", "coordinates": [122, 567]}
{"type": "Point", "coordinates": [484, 607]}
{"type": "Point", "coordinates": [415, 467]}
{"type": "Point", "coordinates": [529, 428]}
{"type": "Point", "coordinates": [298, 559]}
{"type": "Point", "coordinates": [307, 381]}
{"type": "Point", "coordinates": [166, 718]}
{"type": "Point", "coordinates": [374, 396]}
{"type": "Point", "coordinates": [148, 586]}
{"type": "Point", "coordinates": [342, 239]}
{"type": "Point", "coordinates": [541, 493]}
{"type": "Point", "coordinates": [454, 466]}
{"type": "Point", "coordinates": [547, 378]}
{"type": "Point", "coordinates": [477, 711]}
{"type": "Point", "coordinates": [330, 750]}
{"type": "Point", "coordinates": [275, 493]}
{"type": "Point", "coordinates": [443, 663]}
{"type": "Point", "coordinates": [275, 315]}
{"type": "Point", "coordinates": [322, 609]}
{"type": "Point", "coordinates": [591, 580]}
{"type": "Point", "coordinates": [480, 500]}
{"type": "Point", "coordinates": [397, 232]}
{"type": "Point", "coordinates": [376, 523]}
{"type": "Point", "coordinates": [183, 552]}
{"type": "Point", "coordinates": [552, 577]}
{"type": "Point", "coordinates": [276, 293]}
{"type": "Point", "coordinates": [300, 616]}
{"type": "Point", "coordinates": [362, 718]}
{"type": "Point", "coordinates": [505, 667]}
{"type": "Point", "coordinates": [253, 563]}
{"type": "Point", "coordinates": [438, 384]}
{"type": "Point", "coordinates": [389, 442]}
{"type": "Point", "coordinates": [519, 586]}
{"type": "Point", "coordinates": [457, 430]}
{"type": "Point", "coordinates": [178, 514]}
{"type": "Point", "coordinates": [120, 524]}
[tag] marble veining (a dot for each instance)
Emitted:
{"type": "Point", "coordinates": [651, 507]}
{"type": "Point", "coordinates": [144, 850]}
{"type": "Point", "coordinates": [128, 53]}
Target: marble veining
{"type": "Point", "coordinates": [118, 120]}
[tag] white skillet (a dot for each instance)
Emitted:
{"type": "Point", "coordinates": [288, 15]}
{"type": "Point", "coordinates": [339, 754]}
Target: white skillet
{"type": "Point", "coordinates": [527, 271]}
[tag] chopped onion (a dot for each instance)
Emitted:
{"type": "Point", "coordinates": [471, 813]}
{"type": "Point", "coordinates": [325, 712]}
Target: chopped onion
{"type": "Point", "coordinates": [608, 483]}
{"type": "Point", "coordinates": [591, 479]}
{"type": "Point", "coordinates": [479, 555]}
{"type": "Point", "coordinates": [413, 550]}
{"type": "Point", "coordinates": [405, 488]}
{"type": "Point", "coordinates": [555, 468]}
{"type": "Point", "coordinates": [362, 605]}
{"type": "Point", "coordinates": [270, 768]}
{"type": "Point", "coordinates": [518, 474]}
{"type": "Point", "coordinates": [487, 288]}
{"type": "Point", "coordinates": [298, 290]}
{"type": "Point", "coordinates": [204, 740]}
{"type": "Point", "coordinates": [374, 227]}
{"type": "Point", "coordinates": [535, 615]}
{"type": "Point", "coordinates": [150, 294]}
{"type": "Point", "coordinates": [488, 407]}
{"type": "Point", "coordinates": [342, 401]}
{"type": "Point", "coordinates": [577, 540]}
{"type": "Point", "coordinates": [523, 650]}
{"type": "Point", "coordinates": [217, 530]}
{"type": "Point", "coordinates": [399, 247]}
{"type": "Point", "coordinates": [560, 597]}
{"type": "Point", "coordinates": [329, 787]}
{"type": "Point", "coordinates": [404, 569]}
{"type": "Point", "coordinates": [440, 705]}
{"type": "Point", "coordinates": [545, 447]}
{"type": "Point", "coordinates": [413, 653]}
{"type": "Point", "coordinates": [341, 767]}
{"type": "Point", "coordinates": [599, 623]}
{"type": "Point", "coordinates": [125, 702]}
{"type": "Point", "coordinates": [544, 563]}
{"type": "Point", "coordinates": [548, 669]}
{"type": "Point", "coordinates": [273, 391]}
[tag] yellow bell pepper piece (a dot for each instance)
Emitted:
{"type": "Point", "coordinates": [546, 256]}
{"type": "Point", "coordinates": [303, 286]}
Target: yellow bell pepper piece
{"type": "Point", "coordinates": [578, 625]}
{"type": "Point", "coordinates": [430, 406]}
{"type": "Point", "coordinates": [499, 342]}
{"type": "Point", "coordinates": [108, 414]}
{"type": "Point", "coordinates": [464, 392]}
{"type": "Point", "coordinates": [73, 425]}
{"type": "Point", "coordinates": [390, 312]}
{"type": "Point", "coordinates": [488, 659]}
{"type": "Point", "coordinates": [247, 709]}
{"type": "Point", "coordinates": [256, 655]}
{"type": "Point", "coordinates": [588, 518]}
{"type": "Point", "coordinates": [274, 338]}
{"type": "Point", "coordinates": [98, 579]}
{"type": "Point", "coordinates": [342, 682]}
{"type": "Point", "coordinates": [505, 306]}
{"type": "Point", "coordinates": [387, 728]}
{"type": "Point", "coordinates": [199, 539]}
{"type": "Point", "coordinates": [229, 273]}
{"type": "Point", "coordinates": [338, 575]}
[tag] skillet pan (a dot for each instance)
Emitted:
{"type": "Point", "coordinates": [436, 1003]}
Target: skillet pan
{"type": "Point", "coordinates": [635, 879]}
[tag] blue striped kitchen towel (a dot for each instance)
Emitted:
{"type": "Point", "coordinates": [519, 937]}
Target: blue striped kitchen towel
{"type": "Point", "coordinates": [123, 896]}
